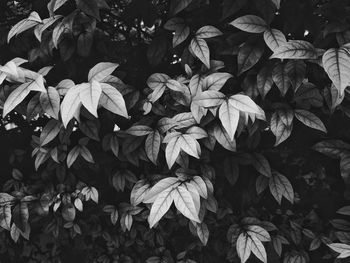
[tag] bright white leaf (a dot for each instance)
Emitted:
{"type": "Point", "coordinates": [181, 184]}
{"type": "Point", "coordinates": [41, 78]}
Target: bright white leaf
{"type": "Point", "coordinates": [101, 70]}
{"type": "Point", "coordinates": [208, 32]}
{"type": "Point", "coordinates": [50, 102]}
{"type": "Point", "coordinates": [250, 23]}
{"type": "Point", "coordinates": [90, 96]}
{"type": "Point", "coordinates": [184, 203]}
{"type": "Point", "coordinates": [71, 103]}
{"type": "Point", "coordinates": [169, 182]}
{"type": "Point", "coordinates": [112, 100]}
{"type": "Point", "coordinates": [201, 50]}
{"type": "Point", "coordinates": [274, 39]}
{"type": "Point", "coordinates": [229, 117]}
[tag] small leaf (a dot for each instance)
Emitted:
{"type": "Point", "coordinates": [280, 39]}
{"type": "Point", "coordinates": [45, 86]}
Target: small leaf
{"type": "Point", "coordinates": [224, 139]}
{"type": "Point", "coordinates": [296, 72]}
{"type": "Point", "coordinates": [279, 128]}
{"type": "Point", "coordinates": [169, 182]}
{"type": "Point", "coordinates": [203, 233]}
{"type": "Point", "coordinates": [261, 164]}
{"type": "Point", "coordinates": [215, 81]}
{"type": "Point", "coordinates": [23, 25]}
{"type": "Point", "coordinates": [208, 32]}
{"type": "Point", "coordinates": [310, 120]}
{"type": "Point", "coordinates": [264, 81]}
{"type": "Point", "coordinates": [250, 23]}
{"type": "Point", "coordinates": [244, 103]}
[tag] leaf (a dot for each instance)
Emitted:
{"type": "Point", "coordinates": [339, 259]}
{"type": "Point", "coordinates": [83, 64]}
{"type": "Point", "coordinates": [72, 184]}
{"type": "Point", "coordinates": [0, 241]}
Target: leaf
{"type": "Point", "coordinates": [215, 81]}
{"type": "Point", "coordinates": [296, 72]}
{"type": "Point", "coordinates": [86, 154]}
{"type": "Point", "coordinates": [203, 233]}
{"type": "Point", "coordinates": [224, 139]}
{"type": "Point", "coordinates": [32, 20]}
{"type": "Point", "coordinates": [244, 247]}
{"type": "Point", "coordinates": [169, 182]}
{"type": "Point", "coordinates": [336, 63]}
{"type": "Point", "coordinates": [178, 5]}
{"type": "Point", "coordinates": [157, 80]}
{"type": "Point", "coordinates": [209, 98]}
{"type": "Point", "coordinates": [342, 249]}
{"type": "Point", "coordinates": [229, 117]}
{"type": "Point", "coordinates": [248, 55]}
{"type": "Point", "coordinates": [160, 206]}
{"type": "Point", "coordinates": [196, 85]}
{"type": "Point", "coordinates": [200, 185]}
{"type": "Point", "coordinates": [230, 7]}
{"type": "Point", "coordinates": [90, 128]}
{"type": "Point", "coordinates": [259, 232]}
{"type": "Point", "coordinates": [178, 25]}
{"type": "Point", "coordinates": [281, 78]}
{"type": "Point", "coordinates": [258, 249]}
{"type": "Point", "coordinates": [280, 186]}
{"type": "Point", "coordinates": [49, 132]}
{"type": "Point", "coordinates": [295, 49]}
{"type": "Point", "coordinates": [15, 98]}
{"type": "Point", "coordinates": [201, 50]}
{"type": "Point", "coordinates": [112, 100]}
{"type": "Point", "coordinates": [332, 148]}
{"type": "Point", "coordinates": [264, 81]}
{"type": "Point", "coordinates": [152, 146]}
{"type": "Point", "coordinates": [261, 164]}
{"type": "Point", "coordinates": [208, 32]}
{"type": "Point", "coordinates": [274, 39]}
{"type": "Point", "coordinates": [90, 95]}
{"type": "Point", "coordinates": [310, 120]}
{"type": "Point", "coordinates": [279, 128]}
{"type": "Point", "coordinates": [244, 103]}
{"type": "Point", "coordinates": [89, 7]}
{"type": "Point", "coordinates": [184, 203]}
{"type": "Point", "coordinates": [189, 145]}
{"type": "Point", "coordinates": [53, 5]}
{"type": "Point", "coordinates": [5, 210]}
{"type": "Point", "coordinates": [344, 211]}
{"type": "Point", "coordinates": [20, 215]}
{"type": "Point", "coordinates": [101, 70]}
{"type": "Point", "coordinates": [46, 23]}
{"type": "Point", "coordinates": [250, 23]}
{"type": "Point", "coordinates": [71, 103]}
{"type": "Point", "coordinates": [139, 130]}
{"type": "Point", "coordinates": [50, 102]}
{"type": "Point", "coordinates": [72, 156]}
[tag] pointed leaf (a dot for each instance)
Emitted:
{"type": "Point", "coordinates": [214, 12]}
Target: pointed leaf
{"type": "Point", "coordinates": [50, 102]}
{"type": "Point", "coordinates": [229, 117]}
{"type": "Point", "coordinates": [201, 50]}
{"type": "Point", "coordinates": [112, 100]}
{"type": "Point", "coordinates": [310, 120]}
{"type": "Point", "coordinates": [101, 70]}
{"type": "Point", "coordinates": [250, 23]}
{"type": "Point", "coordinates": [295, 49]}
{"type": "Point", "coordinates": [152, 146]}
{"type": "Point", "coordinates": [184, 203]}
{"type": "Point", "coordinates": [274, 39]}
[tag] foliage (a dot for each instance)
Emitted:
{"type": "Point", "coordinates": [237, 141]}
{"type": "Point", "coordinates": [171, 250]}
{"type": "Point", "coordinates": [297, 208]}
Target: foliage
{"type": "Point", "coordinates": [175, 131]}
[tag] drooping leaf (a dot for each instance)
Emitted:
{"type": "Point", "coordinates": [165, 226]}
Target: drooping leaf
{"type": "Point", "coordinates": [264, 81]}
{"type": "Point", "coordinates": [342, 249]}
{"type": "Point", "coordinates": [50, 102]}
{"type": "Point", "coordinates": [244, 103]}
{"type": "Point", "coordinates": [295, 49]}
{"type": "Point", "coordinates": [215, 81]}
{"type": "Point", "coordinates": [281, 78]}
{"type": "Point", "coordinates": [295, 70]}
{"type": "Point", "coordinates": [310, 120]}
{"type": "Point", "coordinates": [50, 131]}
{"type": "Point", "coordinates": [161, 205]}
{"type": "Point", "coordinates": [224, 139]}
{"type": "Point", "coordinates": [229, 117]}
{"type": "Point", "coordinates": [203, 233]}
{"type": "Point", "coordinates": [157, 80]}
{"type": "Point", "coordinates": [209, 98]}
{"type": "Point", "coordinates": [152, 145]}
{"type": "Point", "coordinates": [200, 49]}
{"type": "Point", "coordinates": [279, 127]}
{"type": "Point", "coordinates": [90, 96]}
{"type": "Point", "coordinates": [280, 186]}
{"type": "Point", "coordinates": [248, 55]}
{"type": "Point", "coordinates": [336, 63]}
{"type": "Point", "coordinates": [184, 203]}
{"type": "Point", "coordinates": [71, 103]}
{"type": "Point", "coordinates": [112, 100]}
{"type": "Point", "coordinates": [166, 183]}
{"type": "Point", "coordinates": [189, 145]}
{"type": "Point", "coordinates": [244, 247]}
{"type": "Point", "coordinates": [250, 23]}
{"type": "Point", "coordinates": [32, 20]}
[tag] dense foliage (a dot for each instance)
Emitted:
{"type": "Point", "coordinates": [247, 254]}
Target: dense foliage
{"type": "Point", "coordinates": [175, 131]}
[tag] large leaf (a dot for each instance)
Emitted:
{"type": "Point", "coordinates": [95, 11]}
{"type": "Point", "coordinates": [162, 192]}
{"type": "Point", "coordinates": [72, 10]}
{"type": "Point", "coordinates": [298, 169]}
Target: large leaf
{"type": "Point", "coordinates": [160, 206]}
{"type": "Point", "coordinates": [209, 98]}
{"type": "Point", "coordinates": [248, 55]}
{"type": "Point", "coordinates": [244, 247]}
{"type": "Point", "coordinates": [184, 203]}
{"type": "Point", "coordinates": [215, 81]}
{"type": "Point", "coordinates": [15, 98]}
{"type": "Point", "coordinates": [224, 139]}
{"type": "Point", "coordinates": [152, 146]}
{"type": "Point", "coordinates": [32, 20]}
{"type": "Point", "coordinates": [90, 96]}
{"type": "Point", "coordinates": [5, 210]}
{"type": "Point", "coordinates": [169, 182]}
{"type": "Point", "coordinates": [53, 5]}
{"type": "Point", "coordinates": [244, 103]}
{"type": "Point", "coordinates": [229, 117]}
{"type": "Point", "coordinates": [261, 164]}
{"type": "Point", "coordinates": [280, 186]}
{"type": "Point", "coordinates": [71, 103]}
{"type": "Point", "coordinates": [296, 70]}
{"type": "Point", "coordinates": [342, 249]}
{"type": "Point", "coordinates": [336, 63]}
{"type": "Point", "coordinates": [259, 232]}
{"type": "Point", "coordinates": [310, 120]}
{"type": "Point", "coordinates": [201, 50]}
{"type": "Point", "coordinates": [274, 39]}
{"type": "Point", "coordinates": [112, 100]}
{"type": "Point", "coordinates": [189, 145]}
{"type": "Point", "coordinates": [295, 49]}
{"type": "Point", "coordinates": [50, 102]}
{"type": "Point", "coordinates": [250, 23]}
{"type": "Point", "coordinates": [101, 70]}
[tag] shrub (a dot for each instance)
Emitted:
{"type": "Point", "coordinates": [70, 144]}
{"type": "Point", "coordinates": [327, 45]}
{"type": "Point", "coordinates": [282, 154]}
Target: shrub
{"type": "Point", "coordinates": [175, 131]}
